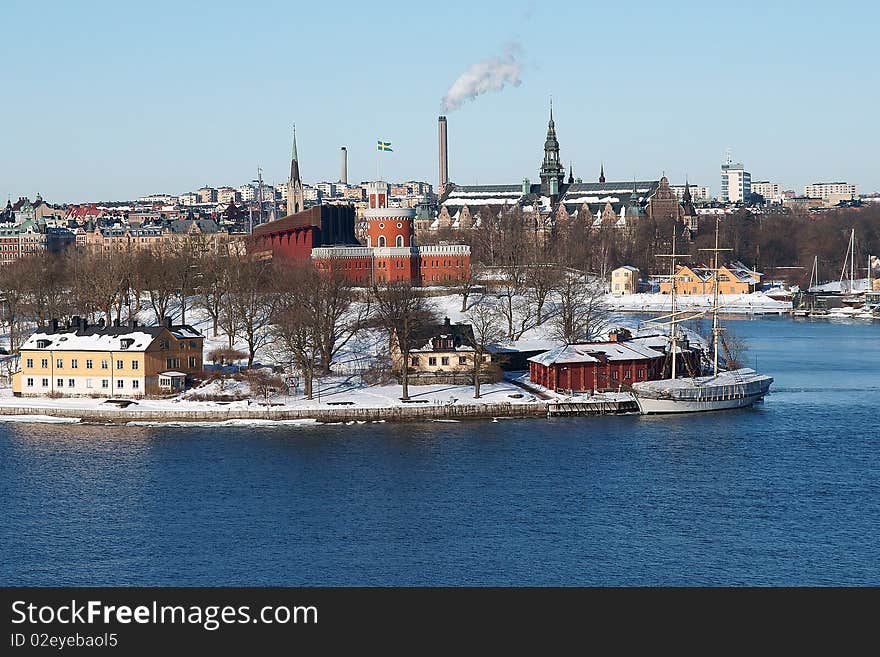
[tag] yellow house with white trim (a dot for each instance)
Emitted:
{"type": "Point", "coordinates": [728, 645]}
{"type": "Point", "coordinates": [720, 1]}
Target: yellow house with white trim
{"type": "Point", "coordinates": [116, 361]}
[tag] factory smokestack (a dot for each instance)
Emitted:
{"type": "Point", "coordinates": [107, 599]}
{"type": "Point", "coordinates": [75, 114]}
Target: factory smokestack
{"type": "Point", "coordinates": [343, 174]}
{"type": "Point", "coordinates": [444, 161]}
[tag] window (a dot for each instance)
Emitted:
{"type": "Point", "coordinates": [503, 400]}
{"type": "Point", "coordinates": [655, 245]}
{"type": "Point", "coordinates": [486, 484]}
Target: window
{"type": "Point", "coordinates": [29, 362]}
{"type": "Point", "coordinates": [381, 240]}
{"type": "Point", "coordinates": [192, 361]}
{"type": "Point", "coordinates": [135, 384]}
{"type": "Point", "coordinates": [59, 383]}
{"type": "Point", "coordinates": [462, 360]}
{"type": "Point", "coordinates": [30, 383]}
{"type": "Point", "coordinates": [627, 375]}
{"type": "Point", "coordinates": [104, 364]}
{"type": "Point", "coordinates": [105, 383]}
{"type": "Point", "coordinates": [135, 364]}
{"type": "Point", "coordinates": [45, 383]}
{"type": "Point", "coordinates": [163, 344]}
{"type": "Point", "coordinates": [486, 359]}
{"type": "Point", "coordinates": [88, 383]}
{"type": "Point", "coordinates": [120, 383]}
{"type": "Point", "coordinates": [74, 364]}
{"type": "Point", "coordinates": [59, 363]}
{"type": "Point", "coordinates": [71, 383]}
{"type": "Point", "coordinates": [89, 364]}
{"type": "Point", "coordinates": [444, 360]}
{"type": "Point", "coordinates": [400, 240]}
{"type": "Point", "coordinates": [615, 375]}
{"type": "Point", "coordinates": [119, 365]}
{"type": "Point", "coordinates": [432, 360]}
{"type": "Point", "coordinates": [44, 363]}
{"type": "Point", "coordinates": [414, 361]}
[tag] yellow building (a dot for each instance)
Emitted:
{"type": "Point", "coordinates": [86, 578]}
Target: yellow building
{"type": "Point", "coordinates": [735, 278]}
{"type": "Point", "coordinates": [625, 280]}
{"type": "Point", "coordinates": [117, 361]}
{"type": "Point", "coordinates": [442, 353]}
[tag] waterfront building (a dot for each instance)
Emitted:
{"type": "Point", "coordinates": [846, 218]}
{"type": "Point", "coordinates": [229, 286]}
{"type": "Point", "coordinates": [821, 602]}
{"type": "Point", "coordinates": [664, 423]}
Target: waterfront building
{"type": "Point", "coordinates": [20, 241]}
{"type": "Point", "coordinates": [326, 236]}
{"type": "Point", "coordinates": [108, 361]}
{"type": "Point", "coordinates": [614, 364]}
{"type": "Point", "coordinates": [771, 191]}
{"type": "Point", "coordinates": [625, 280]}
{"type": "Point", "coordinates": [444, 353]}
{"type": "Point", "coordinates": [554, 197]}
{"type": "Point", "coordinates": [736, 182]}
{"type": "Point", "coordinates": [699, 193]}
{"type": "Point", "coordinates": [832, 193]}
{"type": "Point", "coordinates": [733, 278]}
{"type": "Point", "coordinates": [207, 195]}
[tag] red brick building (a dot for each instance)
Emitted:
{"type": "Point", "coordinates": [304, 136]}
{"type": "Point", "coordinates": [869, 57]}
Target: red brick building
{"type": "Point", "coordinates": [294, 236]}
{"type": "Point", "coordinates": [608, 365]}
{"type": "Point", "coordinates": [325, 234]}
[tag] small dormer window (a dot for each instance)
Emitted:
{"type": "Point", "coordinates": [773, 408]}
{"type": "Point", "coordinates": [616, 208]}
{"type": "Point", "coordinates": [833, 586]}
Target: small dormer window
{"type": "Point", "coordinates": [42, 344]}
{"type": "Point", "coordinates": [125, 343]}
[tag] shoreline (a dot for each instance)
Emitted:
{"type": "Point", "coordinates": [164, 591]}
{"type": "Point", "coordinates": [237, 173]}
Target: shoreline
{"type": "Point", "coordinates": [247, 417]}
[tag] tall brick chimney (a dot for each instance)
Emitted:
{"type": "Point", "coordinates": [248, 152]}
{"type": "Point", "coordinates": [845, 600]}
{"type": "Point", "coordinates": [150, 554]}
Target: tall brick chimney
{"type": "Point", "coordinates": [343, 174]}
{"type": "Point", "coordinates": [444, 158]}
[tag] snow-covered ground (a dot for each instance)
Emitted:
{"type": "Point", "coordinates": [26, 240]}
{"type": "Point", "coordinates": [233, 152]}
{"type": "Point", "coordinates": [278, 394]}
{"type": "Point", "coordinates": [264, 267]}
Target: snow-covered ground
{"type": "Point", "coordinates": [344, 385]}
{"type": "Point", "coordinates": [756, 303]}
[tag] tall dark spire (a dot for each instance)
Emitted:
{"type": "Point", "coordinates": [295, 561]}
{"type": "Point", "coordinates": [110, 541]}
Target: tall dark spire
{"type": "Point", "coordinates": [552, 172]}
{"type": "Point", "coordinates": [570, 174]}
{"type": "Point", "coordinates": [686, 197]}
{"type": "Point", "coordinates": [602, 174]}
{"type": "Point", "coordinates": [295, 201]}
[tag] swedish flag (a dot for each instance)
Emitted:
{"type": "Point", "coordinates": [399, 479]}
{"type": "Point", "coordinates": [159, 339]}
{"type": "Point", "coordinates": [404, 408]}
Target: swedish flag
{"type": "Point", "coordinates": [384, 146]}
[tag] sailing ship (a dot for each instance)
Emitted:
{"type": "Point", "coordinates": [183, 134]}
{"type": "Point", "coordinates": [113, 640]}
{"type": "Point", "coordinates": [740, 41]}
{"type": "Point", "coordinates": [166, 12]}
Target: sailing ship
{"type": "Point", "coordinates": [718, 390]}
{"type": "Point", "coordinates": [810, 305]}
{"type": "Point", "coordinates": [853, 300]}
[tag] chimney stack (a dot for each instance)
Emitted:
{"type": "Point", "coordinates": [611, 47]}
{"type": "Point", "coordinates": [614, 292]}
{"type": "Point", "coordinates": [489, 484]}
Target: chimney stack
{"type": "Point", "coordinates": [343, 175]}
{"type": "Point", "coordinates": [444, 160]}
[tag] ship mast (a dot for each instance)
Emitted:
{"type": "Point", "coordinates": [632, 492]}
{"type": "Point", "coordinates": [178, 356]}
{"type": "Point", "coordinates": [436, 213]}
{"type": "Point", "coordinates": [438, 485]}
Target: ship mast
{"type": "Point", "coordinates": [673, 332]}
{"type": "Point", "coordinates": [716, 329]}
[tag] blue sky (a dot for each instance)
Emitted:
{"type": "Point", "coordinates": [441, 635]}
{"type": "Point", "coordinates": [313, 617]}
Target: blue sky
{"type": "Point", "coordinates": [105, 100]}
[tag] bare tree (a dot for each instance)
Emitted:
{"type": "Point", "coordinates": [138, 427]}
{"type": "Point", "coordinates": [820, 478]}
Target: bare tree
{"type": "Point", "coordinates": [296, 324]}
{"type": "Point", "coordinates": [581, 313]}
{"type": "Point", "coordinates": [251, 303]}
{"type": "Point", "coordinates": [486, 326]}
{"type": "Point", "coordinates": [543, 279]}
{"type": "Point", "coordinates": [160, 279]}
{"type": "Point", "coordinates": [402, 311]}
{"type": "Point", "coordinates": [212, 283]}
{"type": "Point", "coordinates": [336, 313]}
{"type": "Point", "coordinates": [13, 300]}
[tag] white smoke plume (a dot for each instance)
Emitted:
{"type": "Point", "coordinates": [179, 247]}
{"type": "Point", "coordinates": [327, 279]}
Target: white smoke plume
{"type": "Point", "coordinates": [489, 75]}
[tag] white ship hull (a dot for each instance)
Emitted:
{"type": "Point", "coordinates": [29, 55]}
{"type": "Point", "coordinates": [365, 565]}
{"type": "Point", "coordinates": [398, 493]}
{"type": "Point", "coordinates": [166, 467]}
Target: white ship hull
{"type": "Point", "coordinates": [737, 389]}
{"type": "Point", "coordinates": [649, 406]}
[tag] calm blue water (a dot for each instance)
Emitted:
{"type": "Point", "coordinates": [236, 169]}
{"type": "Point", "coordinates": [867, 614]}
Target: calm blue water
{"type": "Point", "coordinates": [786, 493]}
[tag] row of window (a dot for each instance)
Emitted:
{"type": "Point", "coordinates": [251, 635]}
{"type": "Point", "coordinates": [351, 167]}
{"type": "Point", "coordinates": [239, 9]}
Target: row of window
{"type": "Point", "coordinates": [71, 383]}
{"type": "Point", "coordinates": [74, 364]}
{"type": "Point", "coordinates": [444, 360]}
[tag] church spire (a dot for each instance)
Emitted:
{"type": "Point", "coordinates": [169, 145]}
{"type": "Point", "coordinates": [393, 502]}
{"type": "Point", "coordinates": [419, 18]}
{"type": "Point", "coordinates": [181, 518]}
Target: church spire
{"type": "Point", "coordinates": [602, 174]}
{"type": "Point", "coordinates": [552, 172]}
{"type": "Point", "coordinates": [294, 185]}
{"type": "Point", "coordinates": [570, 174]}
{"type": "Point", "coordinates": [294, 159]}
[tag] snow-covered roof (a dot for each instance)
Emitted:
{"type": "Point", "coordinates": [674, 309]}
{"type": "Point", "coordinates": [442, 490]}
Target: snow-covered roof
{"type": "Point", "coordinates": [96, 338]}
{"type": "Point", "coordinates": [636, 349]}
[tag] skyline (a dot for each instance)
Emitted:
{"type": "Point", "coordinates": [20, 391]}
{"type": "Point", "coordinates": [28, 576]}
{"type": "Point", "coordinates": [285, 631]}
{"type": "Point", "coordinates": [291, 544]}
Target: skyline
{"type": "Point", "coordinates": [125, 105]}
